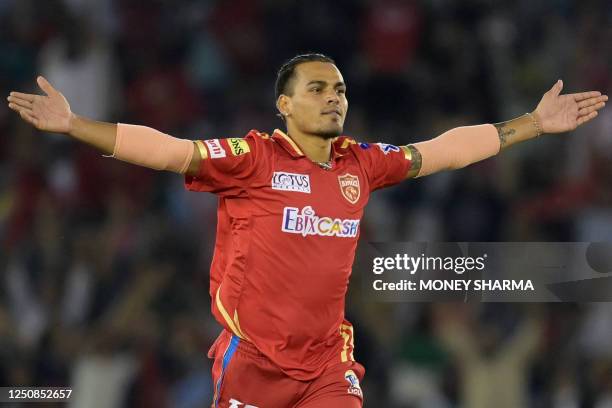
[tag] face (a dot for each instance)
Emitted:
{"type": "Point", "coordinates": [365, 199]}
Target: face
{"type": "Point", "coordinates": [318, 104]}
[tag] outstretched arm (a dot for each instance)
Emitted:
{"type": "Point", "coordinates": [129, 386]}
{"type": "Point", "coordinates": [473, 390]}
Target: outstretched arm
{"type": "Point", "coordinates": [462, 146]}
{"type": "Point", "coordinates": [134, 144]}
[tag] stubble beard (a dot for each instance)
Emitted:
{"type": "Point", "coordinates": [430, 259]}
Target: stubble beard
{"type": "Point", "coordinates": [327, 134]}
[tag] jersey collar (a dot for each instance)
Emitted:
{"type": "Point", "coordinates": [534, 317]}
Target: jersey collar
{"type": "Point", "coordinates": [287, 143]}
{"type": "Point", "coordinates": [339, 147]}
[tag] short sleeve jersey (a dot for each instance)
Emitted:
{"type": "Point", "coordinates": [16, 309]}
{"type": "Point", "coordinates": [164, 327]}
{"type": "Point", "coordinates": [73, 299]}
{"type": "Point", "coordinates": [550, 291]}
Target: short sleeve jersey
{"type": "Point", "coordinates": [287, 232]}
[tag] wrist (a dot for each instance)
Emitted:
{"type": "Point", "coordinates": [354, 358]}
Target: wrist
{"type": "Point", "coordinates": [72, 124]}
{"type": "Point", "coordinates": [537, 122]}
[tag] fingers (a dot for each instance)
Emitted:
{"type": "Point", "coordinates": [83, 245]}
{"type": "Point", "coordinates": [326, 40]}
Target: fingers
{"type": "Point", "coordinates": [585, 95]}
{"type": "Point", "coordinates": [584, 119]}
{"type": "Point", "coordinates": [588, 107]}
{"type": "Point", "coordinates": [24, 103]}
{"type": "Point", "coordinates": [45, 85]}
{"type": "Point", "coordinates": [556, 88]}
{"type": "Point", "coordinates": [20, 109]}
{"type": "Point", "coordinates": [592, 101]}
{"type": "Point", "coordinates": [27, 97]}
{"type": "Point", "coordinates": [24, 108]}
{"type": "Point", "coordinates": [591, 108]}
{"type": "Point", "coordinates": [25, 113]}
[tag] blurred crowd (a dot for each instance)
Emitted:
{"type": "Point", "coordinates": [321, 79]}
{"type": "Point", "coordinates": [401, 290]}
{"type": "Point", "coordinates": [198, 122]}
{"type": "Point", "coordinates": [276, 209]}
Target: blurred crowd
{"type": "Point", "coordinates": [104, 266]}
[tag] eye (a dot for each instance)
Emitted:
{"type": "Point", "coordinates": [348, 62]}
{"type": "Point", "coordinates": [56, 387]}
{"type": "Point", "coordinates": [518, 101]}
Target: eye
{"type": "Point", "coordinates": [341, 91]}
{"type": "Point", "coordinates": [316, 90]}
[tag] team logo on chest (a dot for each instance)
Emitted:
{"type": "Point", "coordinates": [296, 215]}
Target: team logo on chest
{"type": "Point", "coordinates": [349, 187]}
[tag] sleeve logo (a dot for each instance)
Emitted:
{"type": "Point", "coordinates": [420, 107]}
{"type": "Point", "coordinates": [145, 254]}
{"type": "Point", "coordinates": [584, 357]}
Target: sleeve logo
{"type": "Point", "coordinates": [215, 149]}
{"type": "Point", "coordinates": [238, 146]}
{"type": "Point", "coordinates": [353, 381]}
{"type": "Point", "coordinates": [349, 187]}
{"type": "Point", "coordinates": [386, 148]}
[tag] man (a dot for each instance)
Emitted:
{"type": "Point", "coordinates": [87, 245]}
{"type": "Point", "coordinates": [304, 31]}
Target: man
{"type": "Point", "coordinates": [288, 221]}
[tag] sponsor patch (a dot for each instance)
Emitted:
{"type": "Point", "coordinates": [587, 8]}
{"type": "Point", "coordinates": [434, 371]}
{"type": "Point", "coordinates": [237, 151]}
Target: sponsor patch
{"type": "Point", "coordinates": [215, 149]}
{"type": "Point", "coordinates": [349, 187]}
{"type": "Point", "coordinates": [353, 381]}
{"type": "Point", "coordinates": [291, 182]}
{"type": "Point", "coordinates": [306, 222]}
{"type": "Point", "coordinates": [238, 146]}
{"type": "Point", "coordinates": [386, 148]}
{"type": "Point", "coordinates": [364, 145]}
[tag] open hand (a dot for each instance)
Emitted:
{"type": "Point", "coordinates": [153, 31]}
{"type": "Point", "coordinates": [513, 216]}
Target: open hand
{"type": "Point", "coordinates": [50, 112]}
{"type": "Point", "coordinates": [561, 113]}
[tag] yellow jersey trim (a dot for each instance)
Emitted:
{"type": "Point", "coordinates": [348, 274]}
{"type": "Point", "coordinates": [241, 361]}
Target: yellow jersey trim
{"type": "Point", "coordinates": [226, 315]}
{"type": "Point", "coordinates": [413, 155]}
{"type": "Point", "coordinates": [347, 142]}
{"type": "Point", "coordinates": [290, 141]}
{"type": "Point", "coordinates": [407, 152]}
{"type": "Point", "coordinates": [201, 149]}
{"type": "Point", "coordinates": [345, 355]}
{"type": "Point", "coordinates": [238, 325]}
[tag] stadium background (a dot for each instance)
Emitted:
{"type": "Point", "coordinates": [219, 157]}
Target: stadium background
{"type": "Point", "coordinates": [104, 266]}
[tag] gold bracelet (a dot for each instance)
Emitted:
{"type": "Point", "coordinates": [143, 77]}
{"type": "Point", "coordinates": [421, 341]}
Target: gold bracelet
{"type": "Point", "coordinates": [535, 123]}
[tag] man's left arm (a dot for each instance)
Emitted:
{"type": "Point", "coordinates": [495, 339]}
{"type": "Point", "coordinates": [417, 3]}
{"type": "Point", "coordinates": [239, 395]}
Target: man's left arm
{"type": "Point", "coordinates": [465, 145]}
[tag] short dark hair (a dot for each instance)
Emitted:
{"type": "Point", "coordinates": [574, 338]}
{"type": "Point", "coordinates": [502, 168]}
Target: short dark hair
{"type": "Point", "coordinates": [287, 70]}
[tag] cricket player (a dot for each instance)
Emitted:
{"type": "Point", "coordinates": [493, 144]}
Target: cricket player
{"type": "Point", "coordinates": [290, 205]}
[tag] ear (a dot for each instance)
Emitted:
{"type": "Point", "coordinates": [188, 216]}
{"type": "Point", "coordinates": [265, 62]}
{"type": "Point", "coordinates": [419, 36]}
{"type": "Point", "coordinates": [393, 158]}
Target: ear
{"type": "Point", "coordinates": [283, 104]}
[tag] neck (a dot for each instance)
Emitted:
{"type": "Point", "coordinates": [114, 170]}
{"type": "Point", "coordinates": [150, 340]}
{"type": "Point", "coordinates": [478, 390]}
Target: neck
{"type": "Point", "coordinates": [314, 147]}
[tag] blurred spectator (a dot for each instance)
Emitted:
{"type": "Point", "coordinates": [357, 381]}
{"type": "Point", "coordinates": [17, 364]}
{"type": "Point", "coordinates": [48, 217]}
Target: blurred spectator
{"type": "Point", "coordinates": [493, 359]}
{"type": "Point", "coordinates": [80, 63]}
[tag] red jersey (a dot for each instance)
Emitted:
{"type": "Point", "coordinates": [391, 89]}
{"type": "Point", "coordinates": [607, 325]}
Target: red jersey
{"type": "Point", "coordinates": [286, 238]}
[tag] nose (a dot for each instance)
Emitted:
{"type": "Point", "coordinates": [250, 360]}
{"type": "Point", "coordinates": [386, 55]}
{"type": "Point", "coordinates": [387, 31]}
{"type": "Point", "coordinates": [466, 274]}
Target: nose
{"type": "Point", "coordinates": [332, 98]}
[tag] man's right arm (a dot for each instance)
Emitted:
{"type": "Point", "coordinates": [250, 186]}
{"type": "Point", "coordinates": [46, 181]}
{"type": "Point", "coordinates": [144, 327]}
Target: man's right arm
{"type": "Point", "coordinates": [138, 145]}
{"type": "Point", "coordinates": [101, 135]}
